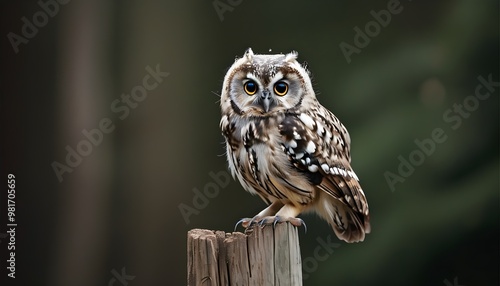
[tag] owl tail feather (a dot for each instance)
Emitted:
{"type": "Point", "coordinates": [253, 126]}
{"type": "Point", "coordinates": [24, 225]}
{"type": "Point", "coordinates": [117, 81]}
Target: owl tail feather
{"type": "Point", "coordinates": [354, 227]}
{"type": "Point", "coordinates": [348, 224]}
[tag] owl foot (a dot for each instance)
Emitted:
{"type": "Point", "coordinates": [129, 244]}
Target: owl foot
{"type": "Point", "coordinates": [250, 223]}
{"type": "Point", "coordinates": [247, 222]}
{"type": "Point", "coordinates": [295, 221]}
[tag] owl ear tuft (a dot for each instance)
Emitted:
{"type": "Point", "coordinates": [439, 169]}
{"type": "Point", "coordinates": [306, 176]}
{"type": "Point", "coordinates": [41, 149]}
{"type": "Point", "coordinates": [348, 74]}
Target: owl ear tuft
{"type": "Point", "coordinates": [290, 57]}
{"type": "Point", "coordinates": [249, 55]}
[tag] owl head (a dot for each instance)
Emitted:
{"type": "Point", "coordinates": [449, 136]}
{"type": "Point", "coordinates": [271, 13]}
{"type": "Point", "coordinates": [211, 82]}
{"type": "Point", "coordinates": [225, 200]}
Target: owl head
{"type": "Point", "coordinates": [260, 85]}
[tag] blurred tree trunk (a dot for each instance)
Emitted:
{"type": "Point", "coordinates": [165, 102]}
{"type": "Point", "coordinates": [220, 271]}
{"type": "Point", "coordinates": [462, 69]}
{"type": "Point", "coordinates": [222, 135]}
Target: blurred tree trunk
{"type": "Point", "coordinates": [83, 96]}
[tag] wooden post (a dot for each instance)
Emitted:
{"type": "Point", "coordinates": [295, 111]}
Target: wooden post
{"type": "Point", "coordinates": [268, 256]}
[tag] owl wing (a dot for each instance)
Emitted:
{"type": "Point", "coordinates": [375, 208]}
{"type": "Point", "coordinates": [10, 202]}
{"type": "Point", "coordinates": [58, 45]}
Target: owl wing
{"type": "Point", "coordinates": [318, 145]}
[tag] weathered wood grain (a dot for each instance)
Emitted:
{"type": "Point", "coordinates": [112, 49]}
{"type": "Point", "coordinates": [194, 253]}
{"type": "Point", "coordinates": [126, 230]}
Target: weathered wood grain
{"type": "Point", "coordinates": [267, 256]}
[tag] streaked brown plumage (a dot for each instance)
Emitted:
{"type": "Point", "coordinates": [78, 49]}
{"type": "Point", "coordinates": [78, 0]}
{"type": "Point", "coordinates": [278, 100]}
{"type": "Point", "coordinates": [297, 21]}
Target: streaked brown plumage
{"type": "Point", "coordinates": [284, 146]}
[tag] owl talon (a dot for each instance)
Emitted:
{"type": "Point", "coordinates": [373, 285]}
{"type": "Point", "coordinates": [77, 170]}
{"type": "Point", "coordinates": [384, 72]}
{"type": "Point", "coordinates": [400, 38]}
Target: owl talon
{"type": "Point", "coordinates": [298, 222]}
{"type": "Point", "coordinates": [278, 219]}
{"type": "Point", "coordinates": [268, 220]}
{"type": "Point", "coordinates": [250, 223]}
{"type": "Point", "coordinates": [245, 222]}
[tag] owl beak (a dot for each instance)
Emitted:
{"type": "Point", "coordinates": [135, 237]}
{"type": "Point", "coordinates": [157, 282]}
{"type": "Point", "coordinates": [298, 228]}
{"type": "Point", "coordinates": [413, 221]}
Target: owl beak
{"type": "Point", "coordinates": [266, 100]}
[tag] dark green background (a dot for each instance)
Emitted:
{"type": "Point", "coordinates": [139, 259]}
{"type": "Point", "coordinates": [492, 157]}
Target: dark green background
{"type": "Point", "coordinates": [120, 206]}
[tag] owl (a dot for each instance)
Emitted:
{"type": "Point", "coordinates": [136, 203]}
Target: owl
{"type": "Point", "coordinates": [284, 146]}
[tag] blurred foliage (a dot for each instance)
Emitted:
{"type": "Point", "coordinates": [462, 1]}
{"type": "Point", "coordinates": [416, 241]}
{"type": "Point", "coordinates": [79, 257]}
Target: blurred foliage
{"type": "Point", "coordinates": [121, 206]}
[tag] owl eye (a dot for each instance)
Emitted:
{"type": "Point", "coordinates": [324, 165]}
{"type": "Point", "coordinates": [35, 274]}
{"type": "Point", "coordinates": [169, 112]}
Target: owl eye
{"type": "Point", "coordinates": [250, 87]}
{"type": "Point", "coordinates": [281, 88]}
